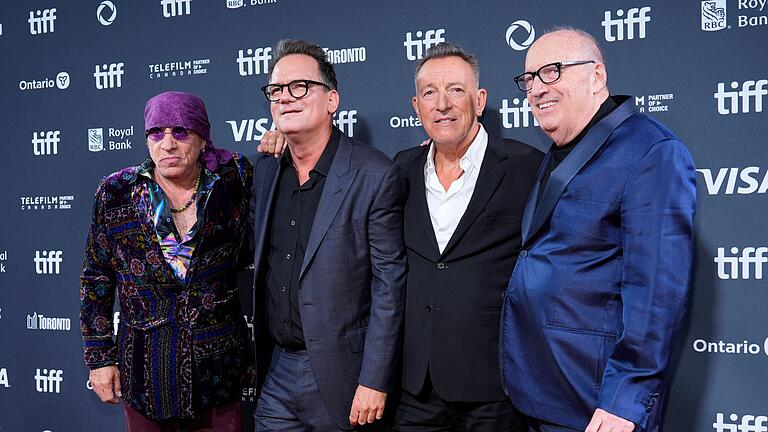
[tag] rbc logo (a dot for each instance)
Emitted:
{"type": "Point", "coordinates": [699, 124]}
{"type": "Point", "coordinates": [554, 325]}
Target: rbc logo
{"type": "Point", "coordinates": [172, 8]}
{"type": "Point", "coordinates": [48, 262]}
{"type": "Point", "coordinates": [415, 48]}
{"type": "Point", "coordinates": [253, 61]}
{"type": "Point", "coordinates": [713, 15]}
{"type": "Point", "coordinates": [109, 76]}
{"type": "Point", "coordinates": [728, 101]}
{"type": "Point", "coordinates": [637, 16]}
{"type": "Point", "coordinates": [344, 120]}
{"type": "Point", "coordinates": [46, 143]}
{"type": "Point", "coordinates": [48, 381]}
{"type": "Point", "coordinates": [42, 21]}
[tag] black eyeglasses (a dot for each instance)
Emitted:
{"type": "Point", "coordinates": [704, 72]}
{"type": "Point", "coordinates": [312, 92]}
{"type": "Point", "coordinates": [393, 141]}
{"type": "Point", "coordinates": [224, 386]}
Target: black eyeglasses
{"type": "Point", "coordinates": [179, 133]}
{"type": "Point", "coordinates": [548, 74]}
{"type": "Point", "coordinates": [297, 88]}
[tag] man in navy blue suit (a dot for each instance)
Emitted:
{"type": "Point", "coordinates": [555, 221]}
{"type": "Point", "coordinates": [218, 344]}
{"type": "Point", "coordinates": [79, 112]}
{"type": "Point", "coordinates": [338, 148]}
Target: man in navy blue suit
{"type": "Point", "coordinates": [329, 259]}
{"type": "Point", "coordinates": [600, 286]}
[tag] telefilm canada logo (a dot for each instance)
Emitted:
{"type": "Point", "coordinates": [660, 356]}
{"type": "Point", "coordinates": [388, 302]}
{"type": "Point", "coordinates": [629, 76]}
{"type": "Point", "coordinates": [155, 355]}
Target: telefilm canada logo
{"type": "Point", "coordinates": [520, 35]}
{"type": "Point", "coordinates": [735, 180]}
{"type": "Point", "coordinates": [60, 81]}
{"type": "Point", "coordinates": [747, 423]}
{"type": "Point", "coordinates": [46, 202]}
{"type": "Point", "coordinates": [116, 139]}
{"type": "Point", "coordinates": [179, 68]}
{"type": "Point", "coordinates": [40, 322]}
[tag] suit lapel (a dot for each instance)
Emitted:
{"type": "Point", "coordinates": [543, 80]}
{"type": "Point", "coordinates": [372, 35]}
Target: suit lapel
{"type": "Point", "coordinates": [491, 173]}
{"type": "Point", "coordinates": [421, 235]}
{"type": "Point", "coordinates": [530, 206]}
{"type": "Point", "coordinates": [264, 190]}
{"type": "Point", "coordinates": [576, 160]}
{"type": "Point", "coordinates": [337, 185]}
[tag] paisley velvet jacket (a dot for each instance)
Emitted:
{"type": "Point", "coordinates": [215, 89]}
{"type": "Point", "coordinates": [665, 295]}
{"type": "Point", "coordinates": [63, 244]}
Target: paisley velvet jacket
{"type": "Point", "coordinates": [181, 345]}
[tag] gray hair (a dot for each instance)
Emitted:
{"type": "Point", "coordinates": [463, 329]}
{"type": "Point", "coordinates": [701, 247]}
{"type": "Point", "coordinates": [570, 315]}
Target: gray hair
{"type": "Point", "coordinates": [287, 47]}
{"type": "Point", "coordinates": [445, 49]}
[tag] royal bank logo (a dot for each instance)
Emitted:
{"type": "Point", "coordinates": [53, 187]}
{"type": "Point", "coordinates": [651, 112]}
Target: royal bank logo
{"type": "Point", "coordinates": [3, 259]}
{"type": "Point", "coordinates": [253, 61]}
{"type": "Point", "coordinates": [45, 143]}
{"type": "Point", "coordinates": [520, 35]}
{"type": "Point", "coordinates": [743, 97]}
{"type": "Point", "coordinates": [179, 68]}
{"type": "Point", "coordinates": [235, 4]}
{"type": "Point", "coordinates": [396, 122]}
{"type": "Point", "coordinates": [42, 21]}
{"type": "Point", "coordinates": [747, 423]}
{"type": "Point", "coordinates": [517, 114]}
{"type": "Point", "coordinates": [416, 47]}
{"type": "Point", "coordinates": [48, 262]}
{"type": "Point", "coordinates": [735, 180]}
{"type": "Point", "coordinates": [106, 13]}
{"type": "Point", "coordinates": [116, 139]}
{"type": "Point", "coordinates": [109, 75]}
{"type": "Point", "coordinates": [248, 130]}
{"type": "Point", "coordinates": [345, 121]}
{"type": "Point", "coordinates": [61, 82]}
{"type": "Point", "coordinates": [47, 202]}
{"type": "Point", "coordinates": [744, 264]}
{"type": "Point", "coordinates": [4, 378]}
{"type": "Point", "coordinates": [345, 55]}
{"type": "Point", "coordinates": [172, 8]}
{"type": "Point", "coordinates": [654, 103]}
{"type": "Point", "coordinates": [623, 27]}
{"type": "Point", "coordinates": [713, 15]}
{"type": "Point", "coordinates": [39, 322]}
{"type": "Point", "coordinates": [48, 380]}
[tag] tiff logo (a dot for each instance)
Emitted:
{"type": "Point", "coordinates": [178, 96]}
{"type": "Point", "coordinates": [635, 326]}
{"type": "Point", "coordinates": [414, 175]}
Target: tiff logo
{"type": "Point", "coordinates": [109, 76]}
{"type": "Point", "coordinates": [344, 120]}
{"type": "Point", "coordinates": [416, 48]}
{"type": "Point", "coordinates": [172, 8]}
{"type": "Point", "coordinates": [637, 16]}
{"type": "Point", "coordinates": [517, 115]}
{"type": "Point", "coordinates": [42, 21]}
{"type": "Point", "coordinates": [45, 143]}
{"type": "Point", "coordinates": [253, 61]}
{"type": "Point", "coordinates": [48, 381]}
{"type": "Point", "coordinates": [751, 257]}
{"type": "Point", "coordinates": [728, 101]}
{"type": "Point", "coordinates": [749, 423]}
{"type": "Point", "coordinates": [48, 262]}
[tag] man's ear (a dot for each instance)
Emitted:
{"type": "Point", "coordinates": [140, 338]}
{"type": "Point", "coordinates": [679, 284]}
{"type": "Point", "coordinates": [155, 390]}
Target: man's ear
{"type": "Point", "coordinates": [333, 101]}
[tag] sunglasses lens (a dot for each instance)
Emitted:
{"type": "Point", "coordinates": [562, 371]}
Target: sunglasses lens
{"type": "Point", "coordinates": [155, 134]}
{"type": "Point", "coordinates": [179, 133]}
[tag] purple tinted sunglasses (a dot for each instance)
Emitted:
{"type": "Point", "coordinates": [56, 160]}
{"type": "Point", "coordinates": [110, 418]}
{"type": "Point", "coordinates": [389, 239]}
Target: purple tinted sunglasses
{"type": "Point", "coordinates": [179, 133]}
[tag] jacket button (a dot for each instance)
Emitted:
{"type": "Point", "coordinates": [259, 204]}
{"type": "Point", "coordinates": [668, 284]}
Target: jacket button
{"type": "Point", "coordinates": [428, 308]}
{"type": "Point", "coordinates": [523, 253]}
{"type": "Point", "coordinates": [441, 266]}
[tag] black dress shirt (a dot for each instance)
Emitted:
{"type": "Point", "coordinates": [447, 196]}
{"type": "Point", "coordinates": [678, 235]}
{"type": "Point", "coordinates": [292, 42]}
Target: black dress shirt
{"type": "Point", "coordinates": [559, 153]}
{"type": "Point", "coordinates": [293, 214]}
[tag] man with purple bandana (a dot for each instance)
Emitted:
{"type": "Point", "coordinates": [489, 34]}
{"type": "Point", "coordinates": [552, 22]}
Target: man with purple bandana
{"type": "Point", "coordinates": [167, 238]}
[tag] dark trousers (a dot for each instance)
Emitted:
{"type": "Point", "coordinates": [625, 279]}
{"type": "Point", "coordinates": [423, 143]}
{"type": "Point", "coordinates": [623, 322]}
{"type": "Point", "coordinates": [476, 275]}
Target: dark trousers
{"type": "Point", "coordinates": [290, 400]}
{"type": "Point", "coordinates": [535, 425]}
{"type": "Point", "coordinates": [427, 411]}
{"type": "Point", "coordinates": [220, 418]}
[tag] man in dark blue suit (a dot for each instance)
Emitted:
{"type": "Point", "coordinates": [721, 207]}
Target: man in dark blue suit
{"type": "Point", "coordinates": [329, 259]}
{"type": "Point", "coordinates": [600, 286]}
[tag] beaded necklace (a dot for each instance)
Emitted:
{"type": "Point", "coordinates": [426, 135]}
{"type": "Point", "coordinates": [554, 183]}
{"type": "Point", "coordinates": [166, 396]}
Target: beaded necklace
{"type": "Point", "coordinates": [192, 197]}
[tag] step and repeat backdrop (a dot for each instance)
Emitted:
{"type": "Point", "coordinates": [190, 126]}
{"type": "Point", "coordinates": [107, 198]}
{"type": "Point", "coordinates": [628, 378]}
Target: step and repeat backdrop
{"type": "Point", "coordinates": [75, 76]}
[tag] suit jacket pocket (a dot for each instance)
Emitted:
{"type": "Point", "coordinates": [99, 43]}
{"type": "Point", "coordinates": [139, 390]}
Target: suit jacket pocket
{"type": "Point", "coordinates": [356, 339]}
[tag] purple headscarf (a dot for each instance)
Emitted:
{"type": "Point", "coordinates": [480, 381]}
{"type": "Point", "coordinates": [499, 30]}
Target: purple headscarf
{"type": "Point", "coordinates": [173, 108]}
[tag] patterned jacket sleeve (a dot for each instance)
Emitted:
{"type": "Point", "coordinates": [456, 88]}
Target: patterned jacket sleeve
{"type": "Point", "coordinates": [97, 290]}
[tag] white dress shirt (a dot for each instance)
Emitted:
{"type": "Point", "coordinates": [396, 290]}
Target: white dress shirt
{"type": "Point", "coordinates": [447, 207]}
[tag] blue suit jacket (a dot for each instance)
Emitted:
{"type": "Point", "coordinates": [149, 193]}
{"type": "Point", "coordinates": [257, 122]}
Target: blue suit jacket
{"type": "Point", "coordinates": [600, 286]}
{"type": "Point", "coordinates": [352, 280]}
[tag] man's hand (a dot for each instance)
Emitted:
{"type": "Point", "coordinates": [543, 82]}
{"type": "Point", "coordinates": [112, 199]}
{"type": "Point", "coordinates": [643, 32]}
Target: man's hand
{"type": "Point", "coordinates": [367, 406]}
{"type": "Point", "coordinates": [603, 421]}
{"type": "Point", "coordinates": [106, 384]}
{"type": "Point", "coordinates": [273, 142]}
